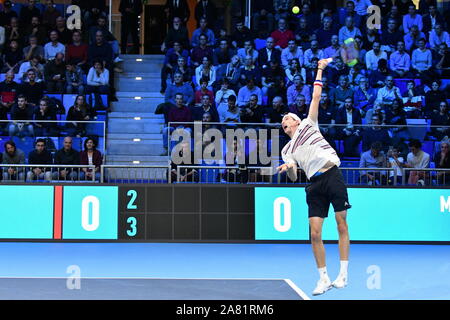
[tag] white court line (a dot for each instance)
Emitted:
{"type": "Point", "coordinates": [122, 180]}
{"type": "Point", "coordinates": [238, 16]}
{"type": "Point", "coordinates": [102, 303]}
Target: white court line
{"type": "Point", "coordinates": [297, 289]}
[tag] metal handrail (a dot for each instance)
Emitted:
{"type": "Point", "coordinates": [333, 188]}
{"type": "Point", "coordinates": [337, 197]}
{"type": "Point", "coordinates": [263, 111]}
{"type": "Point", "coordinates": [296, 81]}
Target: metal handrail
{"type": "Point", "coordinates": [51, 166]}
{"type": "Point", "coordinates": [116, 166]}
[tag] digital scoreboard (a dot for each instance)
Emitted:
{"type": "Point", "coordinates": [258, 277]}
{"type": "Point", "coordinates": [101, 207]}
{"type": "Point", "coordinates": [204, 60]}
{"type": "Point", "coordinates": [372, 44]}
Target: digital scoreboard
{"type": "Point", "coordinates": [213, 213]}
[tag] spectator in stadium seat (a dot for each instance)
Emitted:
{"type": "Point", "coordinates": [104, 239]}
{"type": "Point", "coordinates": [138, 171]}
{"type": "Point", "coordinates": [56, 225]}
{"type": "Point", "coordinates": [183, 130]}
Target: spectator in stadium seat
{"type": "Point", "coordinates": [396, 117]}
{"type": "Point", "coordinates": [437, 36]}
{"type": "Point", "coordinates": [373, 158]}
{"type": "Point", "coordinates": [325, 33]}
{"type": "Point", "coordinates": [377, 77]}
{"type": "Point", "coordinates": [202, 50]}
{"type": "Point", "coordinates": [53, 47]}
{"type": "Point", "coordinates": [240, 35]}
{"type": "Point", "coordinates": [395, 161]}
{"type": "Point", "coordinates": [252, 112]}
{"type": "Point", "coordinates": [351, 133]}
{"type": "Point", "coordinates": [8, 91]}
{"type": "Point", "coordinates": [223, 54]}
{"type": "Point", "coordinates": [296, 89]}
{"type": "Point", "coordinates": [248, 69]}
{"type": "Point", "coordinates": [231, 115]}
{"type": "Point", "coordinates": [198, 96]}
{"type": "Point", "coordinates": [34, 64]}
{"type": "Point", "coordinates": [391, 36]}
{"type": "Point", "coordinates": [13, 155]}
{"type": "Point", "coordinates": [7, 13]}
{"type": "Point", "coordinates": [278, 110]}
{"type": "Point", "coordinates": [442, 61]}
{"type": "Point", "coordinates": [80, 111]}
{"type": "Point", "coordinates": [326, 119]}
{"type": "Point", "coordinates": [130, 11]}
{"type": "Point", "coordinates": [313, 52]}
{"type": "Point", "coordinates": [293, 51]}
{"type": "Point", "coordinates": [176, 33]}
{"type": "Point", "coordinates": [248, 50]}
{"type": "Point", "coordinates": [187, 159]}
{"type": "Point", "coordinates": [268, 53]}
{"type": "Point", "coordinates": [431, 18]}
{"type": "Point", "coordinates": [442, 161]}
{"type": "Point", "coordinates": [364, 96]}
{"type": "Point", "coordinates": [232, 72]}
{"type": "Point", "coordinates": [91, 10]}
{"type": "Point", "coordinates": [403, 6]}
{"type": "Point", "coordinates": [28, 12]}
{"type": "Point", "coordinates": [282, 8]}
{"type": "Point", "coordinates": [299, 107]}
{"type": "Point", "coordinates": [375, 133]}
{"type": "Point", "coordinates": [433, 98]}
{"type": "Point", "coordinates": [441, 118]}
{"type": "Point", "coordinates": [421, 62]}
{"type": "Point", "coordinates": [40, 155]}
{"type": "Point", "coordinates": [205, 71]}
{"type": "Point", "coordinates": [203, 29]}
{"type": "Point", "coordinates": [417, 159]}
{"type": "Point", "coordinates": [412, 38]}
{"type": "Point", "coordinates": [74, 79]}
{"type": "Point", "coordinates": [49, 15]}
{"type": "Point", "coordinates": [282, 35]}
{"type": "Point", "coordinates": [55, 74]}
{"type": "Point", "coordinates": [178, 86]}
{"type": "Point", "coordinates": [349, 12]}
{"type": "Point", "coordinates": [13, 32]}
{"type": "Point", "coordinates": [182, 68]}
{"type": "Point", "coordinates": [66, 156]}
{"type": "Point", "coordinates": [374, 55]}
{"type": "Point", "coordinates": [412, 98]}
{"type": "Point", "coordinates": [235, 156]}
{"type": "Point", "coordinates": [45, 113]}
{"type": "Point", "coordinates": [90, 156]}
{"type": "Point", "coordinates": [246, 91]}
{"type": "Point", "coordinates": [341, 92]}
{"type": "Point", "coordinates": [21, 116]}
{"type": "Point", "coordinates": [77, 51]}
{"type": "Point", "coordinates": [400, 61]}
{"type": "Point", "coordinates": [98, 82]}
{"type": "Point", "coordinates": [12, 57]}
{"type": "Point", "coordinates": [100, 51]}
{"type": "Point", "coordinates": [170, 62]}
{"type": "Point", "coordinates": [34, 49]}
{"type": "Point", "coordinates": [32, 89]}
{"type": "Point", "coordinates": [333, 50]}
{"type": "Point", "coordinates": [180, 113]}
{"type": "Point", "coordinates": [304, 34]}
{"type": "Point", "coordinates": [412, 19]}
{"type": "Point", "coordinates": [273, 81]}
{"type": "Point", "coordinates": [205, 106]}
{"type": "Point", "coordinates": [338, 69]}
{"type": "Point", "coordinates": [64, 34]}
{"type": "Point", "coordinates": [388, 93]}
{"type": "Point", "coordinates": [348, 30]}
{"type": "Point", "coordinates": [222, 95]}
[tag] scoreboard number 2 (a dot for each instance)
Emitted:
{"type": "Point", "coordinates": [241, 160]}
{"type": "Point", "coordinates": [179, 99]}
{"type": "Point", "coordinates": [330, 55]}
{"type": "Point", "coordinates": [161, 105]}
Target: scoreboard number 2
{"type": "Point", "coordinates": [133, 195]}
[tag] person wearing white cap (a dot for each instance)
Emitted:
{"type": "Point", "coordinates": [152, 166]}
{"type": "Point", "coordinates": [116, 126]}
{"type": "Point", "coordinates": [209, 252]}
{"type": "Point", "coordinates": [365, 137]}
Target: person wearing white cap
{"type": "Point", "coordinates": [309, 151]}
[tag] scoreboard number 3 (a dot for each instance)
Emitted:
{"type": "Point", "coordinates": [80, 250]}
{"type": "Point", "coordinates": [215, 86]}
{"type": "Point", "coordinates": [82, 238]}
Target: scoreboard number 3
{"type": "Point", "coordinates": [133, 195]}
{"type": "Point", "coordinates": [133, 225]}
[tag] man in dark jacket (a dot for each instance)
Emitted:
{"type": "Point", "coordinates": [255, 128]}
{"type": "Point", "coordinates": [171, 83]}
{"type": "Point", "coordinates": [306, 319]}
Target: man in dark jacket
{"type": "Point", "coordinates": [66, 155]}
{"type": "Point", "coordinates": [351, 133]}
{"type": "Point", "coordinates": [40, 155]}
{"type": "Point", "coordinates": [130, 10]}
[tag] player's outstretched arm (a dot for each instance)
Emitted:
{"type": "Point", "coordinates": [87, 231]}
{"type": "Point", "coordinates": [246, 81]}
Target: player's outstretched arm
{"type": "Point", "coordinates": [317, 91]}
{"type": "Point", "coordinates": [291, 169]}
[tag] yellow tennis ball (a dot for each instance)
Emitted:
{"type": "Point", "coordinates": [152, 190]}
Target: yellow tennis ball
{"type": "Point", "coordinates": [295, 10]}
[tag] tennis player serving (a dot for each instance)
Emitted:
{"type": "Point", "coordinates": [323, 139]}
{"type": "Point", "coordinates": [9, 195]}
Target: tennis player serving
{"type": "Point", "coordinates": [309, 151]}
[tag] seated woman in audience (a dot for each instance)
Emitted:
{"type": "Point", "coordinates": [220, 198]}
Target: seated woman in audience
{"type": "Point", "coordinates": [80, 111]}
{"type": "Point", "coordinates": [90, 156]}
{"type": "Point", "coordinates": [45, 113]}
{"type": "Point", "coordinates": [98, 82]}
{"type": "Point", "coordinates": [440, 118]}
{"type": "Point", "coordinates": [294, 69]}
{"type": "Point", "coordinates": [442, 161]}
{"type": "Point", "coordinates": [12, 57]}
{"type": "Point", "coordinates": [205, 70]}
{"type": "Point", "coordinates": [232, 72]}
{"type": "Point", "coordinates": [182, 68]}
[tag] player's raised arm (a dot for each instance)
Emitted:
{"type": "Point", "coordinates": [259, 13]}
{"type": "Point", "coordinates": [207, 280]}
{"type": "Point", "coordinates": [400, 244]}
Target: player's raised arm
{"type": "Point", "coordinates": [317, 91]}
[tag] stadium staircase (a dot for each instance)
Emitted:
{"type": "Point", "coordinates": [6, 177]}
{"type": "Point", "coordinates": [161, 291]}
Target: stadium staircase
{"type": "Point", "coordinates": [123, 128]}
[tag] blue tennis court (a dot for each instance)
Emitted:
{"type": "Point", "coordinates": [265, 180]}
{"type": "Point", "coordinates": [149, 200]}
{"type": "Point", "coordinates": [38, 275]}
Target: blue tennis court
{"type": "Point", "coordinates": [376, 271]}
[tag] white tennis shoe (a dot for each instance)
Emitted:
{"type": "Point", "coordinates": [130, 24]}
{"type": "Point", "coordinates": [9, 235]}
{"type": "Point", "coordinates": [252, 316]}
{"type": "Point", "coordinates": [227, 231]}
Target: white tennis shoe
{"type": "Point", "coordinates": [323, 285]}
{"type": "Point", "coordinates": [340, 282]}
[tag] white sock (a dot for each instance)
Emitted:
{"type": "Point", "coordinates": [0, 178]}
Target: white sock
{"type": "Point", "coordinates": [344, 268]}
{"type": "Point", "coordinates": [323, 273]}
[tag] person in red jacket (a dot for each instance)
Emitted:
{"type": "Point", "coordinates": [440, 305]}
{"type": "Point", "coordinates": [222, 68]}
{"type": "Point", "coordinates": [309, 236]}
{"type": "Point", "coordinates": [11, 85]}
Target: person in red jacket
{"type": "Point", "coordinates": [90, 156]}
{"type": "Point", "coordinates": [282, 35]}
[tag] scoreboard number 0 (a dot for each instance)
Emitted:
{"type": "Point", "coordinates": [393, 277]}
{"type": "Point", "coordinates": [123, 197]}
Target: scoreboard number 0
{"type": "Point", "coordinates": [86, 213]}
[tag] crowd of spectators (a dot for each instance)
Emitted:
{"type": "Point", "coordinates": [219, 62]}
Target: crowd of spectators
{"type": "Point", "coordinates": [397, 71]}
{"type": "Point", "coordinates": [42, 57]}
